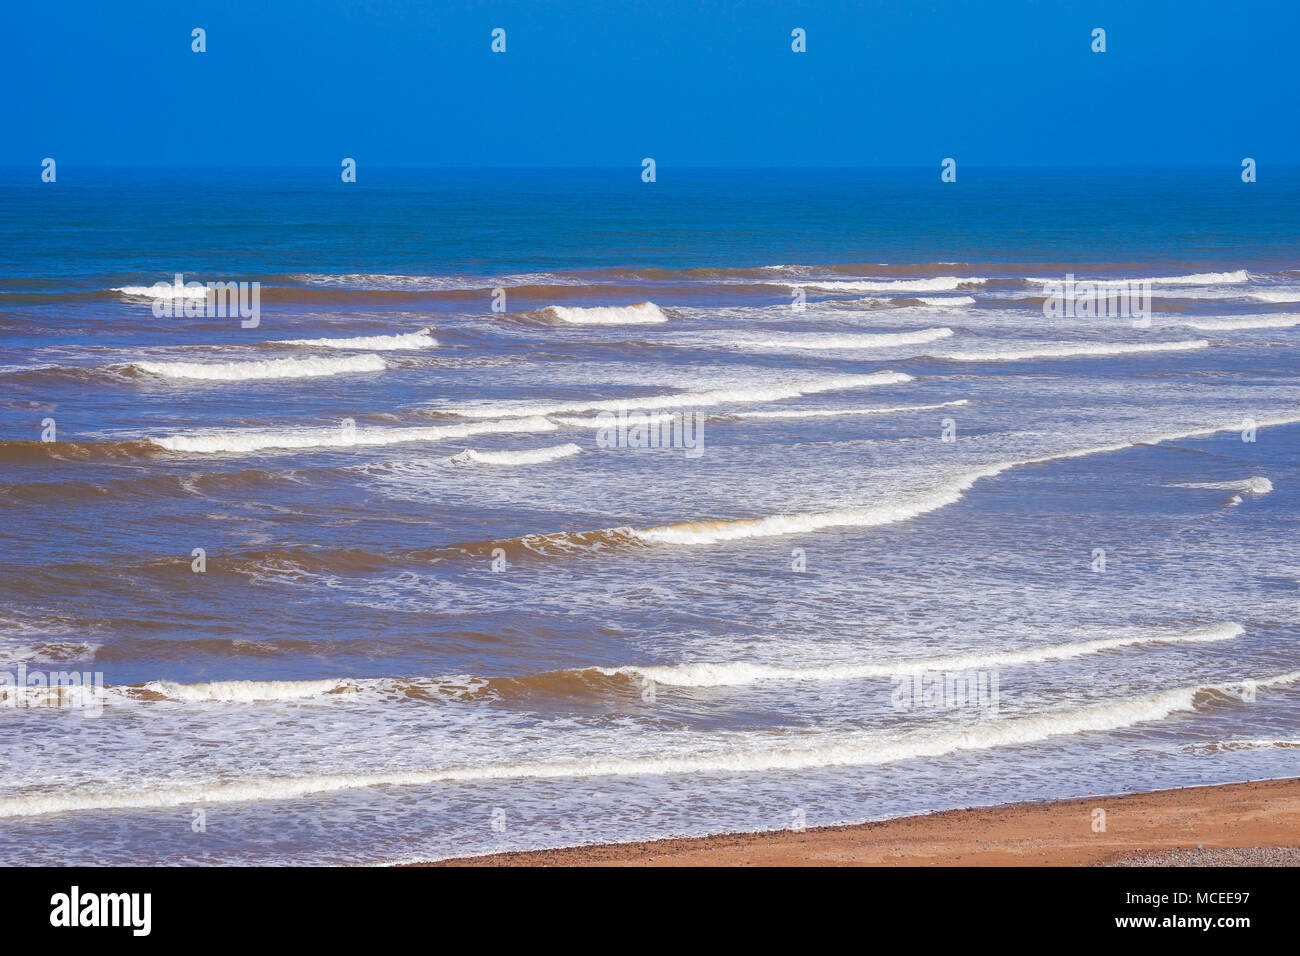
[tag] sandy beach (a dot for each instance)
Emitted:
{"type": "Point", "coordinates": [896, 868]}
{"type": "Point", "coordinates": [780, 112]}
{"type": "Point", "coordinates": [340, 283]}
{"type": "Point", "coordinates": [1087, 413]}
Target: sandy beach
{"type": "Point", "coordinates": [1254, 823]}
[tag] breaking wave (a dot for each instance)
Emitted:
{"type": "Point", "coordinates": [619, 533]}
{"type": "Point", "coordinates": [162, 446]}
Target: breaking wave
{"type": "Point", "coordinates": [1245, 322]}
{"type": "Point", "coordinates": [730, 753]}
{"type": "Point", "coordinates": [874, 302]}
{"type": "Point", "coordinates": [726, 674]}
{"type": "Point", "coordinates": [732, 674]}
{"type": "Point", "coordinates": [595, 421]}
{"type": "Point", "coordinates": [1253, 485]}
{"type": "Point", "coordinates": [340, 437]}
{"type": "Point", "coordinates": [937, 284]}
{"type": "Point", "coordinates": [840, 412]}
{"type": "Point", "coordinates": [531, 456]}
{"type": "Point", "coordinates": [1201, 278]}
{"type": "Point", "coordinates": [163, 291]}
{"type": "Point", "coordinates": [272, 691]}
{"type": "Point", "coordinates": [901, 508]}
{"type": "Point", "coordinates": [878, 340]}
{"type": "Point", "coordinates": [1196, 278]}
{"type": "Point", "coordinates": [1231, 745]}
{"type": "Point", "coordinates": [270, 369]}
{"type": "Point", "coordinates": [716, 396]}
{"type": "Point", "coordinates": [1069, 350]}
{"type": "Point", "coordinates": [938, 300]}
{"type": "Point", "coordinates": [241, 691]}
{"type": "Point", "coordinates": [422, 339]}
{"type": "Point", "coordinates": [643, 313]}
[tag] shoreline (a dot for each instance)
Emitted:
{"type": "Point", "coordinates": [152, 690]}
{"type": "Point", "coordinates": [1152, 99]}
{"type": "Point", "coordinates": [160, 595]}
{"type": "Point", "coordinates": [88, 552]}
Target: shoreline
{"type": "Point", "coordinates": [1259, 818]}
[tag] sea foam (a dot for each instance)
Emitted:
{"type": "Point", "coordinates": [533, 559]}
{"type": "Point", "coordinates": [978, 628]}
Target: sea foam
{"type": "Point", "coordinates": [1244, 322]}
{"type": "Point", "coordinates": [643, 313]}
{"type": "Point", "coordinates": [716, 396]}
{"type": "Point", "coordinates": [245, 441]}
{"type": "Point", "coordinates": [1196, 278]}
{"type": "Point", "coordinates": [1254, 485]}
{"type": "Point", "coordinates": [937, 284]}
{"type": "Point", "coordinates": [1069, 350]}
{"type": "Point", "coordinates": [530, 456]}
{"type": "Point", "coordinates": [874, 340]}
{"type": "Point", "coordinates": [729, 753]}
{"type": "Point", "coordinates": [900, 508]}
{"type": "Point", "coordinates": [422, 339]}
{"type": "Point", "coordinates": [844, 412]}
{"type": "Point", "coordinates": [269, 369]}
{"type": "Point", "coordinates": [164, 291]}
{"type": "Point", "coordinates": [735, 673]}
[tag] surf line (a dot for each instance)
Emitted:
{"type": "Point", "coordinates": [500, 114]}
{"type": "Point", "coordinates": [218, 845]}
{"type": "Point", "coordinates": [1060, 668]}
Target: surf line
{"type": "Point", "coordinates": [714, 531]}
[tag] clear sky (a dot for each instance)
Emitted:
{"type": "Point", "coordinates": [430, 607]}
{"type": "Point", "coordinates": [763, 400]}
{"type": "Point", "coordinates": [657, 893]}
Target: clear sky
{"type": "Point", "coordinates": [688, 82]}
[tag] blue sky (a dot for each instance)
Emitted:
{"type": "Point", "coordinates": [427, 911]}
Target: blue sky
{"type": "Point", "coordinates": [698, 83]}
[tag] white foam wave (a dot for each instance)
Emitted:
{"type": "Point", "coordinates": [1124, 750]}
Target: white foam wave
{"type": "Point", "coordinates": [270, 369]}
{"type": "Point", "coordinates": [595, 421]}
{"type": "Point", "coordinates": [48, 652]}
{"type": "Point", "coordinates": [339, 437]}
{"type": "Point", "coordinates": [532, 456]}
{"type": "Point", "coordinates": [41, 641]}
{"type": "Point", "coordinates": [389, 282]}
{"type": "Point", "coordinates": [880, 340]}
{"type": "Point", "coordinates": [1202, 278]}
{"type": "Point", "coordinates": [839, 412]}
{"type": "Point", "coordinates": [937, 284]}
{"type": "Point", "coordinates": [276, 691]}
{"type": "Point", "coordinates": [1246, 745]}
{"type": "Point", "coordinates": [899, 509]}
{"type": "Point", "coordinates": [716, 396]}
{"type": "Point", "coordinates": [422, 339]}
{"type": "Point", "coordinates": [193, 290]}
{"type": "Point", "coordinates": [1196, 278]}
{"type": "Point", "coordinates": [714, 532]}
{"type": "Point", "coordinates": [246, 691]}
{"type": "Point", "coordinates": [735, 673]}
{"type": "Point", "coordinates": [721, 754]}
{"type": "Point", "coordinates": [1245, 322]}
{"type": "Point", "coordinates": [643, 313]}
{"type": "Point", "coordinates": [905, 301]}
{"type": "Point", "coordinates": [953, 300]}
{"type": "Point", "coordinates": [1254, 485]}
{"type": "Point", "coordinates": [1272, 296]}
{"type": "Point", "coordinates": [683, 675]}
{"type": "Point", "coordinates": [1070, 350]}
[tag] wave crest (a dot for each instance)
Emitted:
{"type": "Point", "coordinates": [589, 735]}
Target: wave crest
{"type": "Point", "coordinates": [715, 396]}
{"type": "Point", "coordinates": [718, 754]}
{"type": "Point", "coordinates": [269, 369]}
{"type": "Point", "coordinates": [339, 437]}
{"type": "Point", "coordinates": [422, 339]}
{"type": "Point", "coordinates": [1069, 350]}
{"type": "Point", "coordinates": [643, 313]}
{"type": "Point", "coordinates": [871, 340]}
{"type": "Point", "coordinates": [936, 284]}
{"type": "Point", "coordinates": [530, 456]}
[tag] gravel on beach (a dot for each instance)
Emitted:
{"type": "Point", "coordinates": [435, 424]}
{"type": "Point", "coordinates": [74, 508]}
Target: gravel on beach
{"type": "Point", "coordinates": [1229, 856]}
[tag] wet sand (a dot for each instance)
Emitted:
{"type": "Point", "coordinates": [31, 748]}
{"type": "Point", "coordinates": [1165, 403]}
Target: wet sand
{"type": "Point", "coordinates": [1260, 819]}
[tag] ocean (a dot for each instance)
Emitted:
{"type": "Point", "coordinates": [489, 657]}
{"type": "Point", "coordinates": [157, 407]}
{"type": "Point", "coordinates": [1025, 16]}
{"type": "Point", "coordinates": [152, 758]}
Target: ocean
{"type": "Point", "coordinates": [534, 508]}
